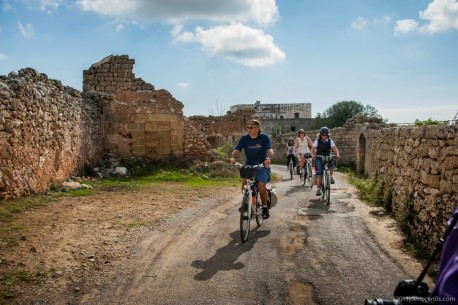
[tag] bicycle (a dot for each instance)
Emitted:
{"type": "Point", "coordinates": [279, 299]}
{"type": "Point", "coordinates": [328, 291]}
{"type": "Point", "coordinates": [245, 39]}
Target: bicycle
{"type": "Point", "coordinates": [291, 166]}
{"type": "Point", "coordinates": [326, 180]}
{"type": "Point", "coordinates": [306, 175]}
{"type": "Point", "coordinates": [251, 206]}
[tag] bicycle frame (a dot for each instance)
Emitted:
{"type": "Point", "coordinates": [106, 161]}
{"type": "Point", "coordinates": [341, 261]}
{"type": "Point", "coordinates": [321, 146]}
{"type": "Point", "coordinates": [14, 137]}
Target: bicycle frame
{"type": "Point", "coordinates": [307, 169]}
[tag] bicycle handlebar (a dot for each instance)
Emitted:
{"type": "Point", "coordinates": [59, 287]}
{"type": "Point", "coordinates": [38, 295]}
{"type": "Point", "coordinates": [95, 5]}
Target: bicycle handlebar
{"type": "Point", "coordinates": [240, 165]}
{"type": "Point", "coordinates": [331, 157]}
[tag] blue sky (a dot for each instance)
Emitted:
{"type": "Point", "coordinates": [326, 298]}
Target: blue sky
{"type": "Point", "coordinates": [396, 55]}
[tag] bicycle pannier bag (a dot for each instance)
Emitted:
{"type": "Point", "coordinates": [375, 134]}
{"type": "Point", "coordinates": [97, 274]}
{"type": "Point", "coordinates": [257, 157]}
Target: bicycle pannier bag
{"type": "Point", "coordinates": [247, 172]}
{"type": "Point", "coordinates": [272, 197]}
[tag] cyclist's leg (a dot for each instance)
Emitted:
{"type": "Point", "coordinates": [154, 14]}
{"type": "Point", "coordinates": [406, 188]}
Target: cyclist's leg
{"type": "Point", "coordinates": [301, 162]}
{"type": "Point", "coordinates": [262, 177]}
{"type": "Point", "coordinates": [319, 175]}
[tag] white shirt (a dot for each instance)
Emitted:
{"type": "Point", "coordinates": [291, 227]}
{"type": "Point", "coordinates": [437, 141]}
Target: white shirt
{"type": "Point", "coordinates": [303, 147]}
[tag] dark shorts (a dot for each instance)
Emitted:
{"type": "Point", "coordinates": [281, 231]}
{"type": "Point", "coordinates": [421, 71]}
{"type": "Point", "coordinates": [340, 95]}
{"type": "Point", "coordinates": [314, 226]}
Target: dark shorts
{"type": "Point", "coordinates": [262, 175]}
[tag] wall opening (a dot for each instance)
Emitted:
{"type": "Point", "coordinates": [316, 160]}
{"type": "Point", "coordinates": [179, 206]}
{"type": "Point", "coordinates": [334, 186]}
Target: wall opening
{"type": "Point", "coordinates": [361, 158]}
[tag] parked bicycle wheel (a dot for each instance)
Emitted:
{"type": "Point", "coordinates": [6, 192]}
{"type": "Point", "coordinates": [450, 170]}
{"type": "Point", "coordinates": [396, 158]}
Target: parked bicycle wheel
{"type": "Point", "coordinates": [245, 217]}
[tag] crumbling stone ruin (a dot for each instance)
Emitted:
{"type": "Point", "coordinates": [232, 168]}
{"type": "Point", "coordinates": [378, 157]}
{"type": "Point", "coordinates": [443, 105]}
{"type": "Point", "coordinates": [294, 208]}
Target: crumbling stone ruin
{"type": "Point", "coordinates": [138, 120]}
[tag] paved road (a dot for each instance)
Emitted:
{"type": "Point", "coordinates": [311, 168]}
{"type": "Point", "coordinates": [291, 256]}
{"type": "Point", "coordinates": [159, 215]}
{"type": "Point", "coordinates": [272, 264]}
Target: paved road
{"type": "Point", "coordinates": [306, 253]}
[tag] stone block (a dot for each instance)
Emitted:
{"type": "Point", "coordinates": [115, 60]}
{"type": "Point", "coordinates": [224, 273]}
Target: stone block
{"type": "Point", "coordinates": [450, 162]}
{"type": "Point", "coordinates": [430, 180]}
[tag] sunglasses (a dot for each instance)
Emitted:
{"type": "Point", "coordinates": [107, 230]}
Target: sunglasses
{"type": "Point", "coordinates": [250, 127]}
{"type": "Point", "coordinates": [324, 135]}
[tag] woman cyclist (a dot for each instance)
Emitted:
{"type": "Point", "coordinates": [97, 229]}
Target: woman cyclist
{"type": "Point", "coordinates": [302, 147]}
{"type": "Point", "coordinates": [289, 151]}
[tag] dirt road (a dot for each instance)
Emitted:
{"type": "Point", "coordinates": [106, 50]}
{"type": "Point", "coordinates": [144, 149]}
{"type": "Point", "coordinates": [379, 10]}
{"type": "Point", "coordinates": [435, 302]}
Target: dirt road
{"type": "Point", "coordinates": [306, 253]}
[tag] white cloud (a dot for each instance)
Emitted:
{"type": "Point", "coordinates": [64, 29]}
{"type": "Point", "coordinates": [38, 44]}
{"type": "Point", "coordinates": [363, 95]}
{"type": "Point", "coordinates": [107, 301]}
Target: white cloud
{"type": "Point", "coordinates": [183, 85]}
{"type": "Point", "coordinates": [3, 57]}
{"type": "Point", "coordinates": [228, 38]}
{"type": "Point", "coordinates": [405, 26]}
{"type": "Point", "coordinates": [440, 16]}
{"type": "Point", "coordinates": [237, 43]}
{"type": "Point", "coordinates": [25, 30]}
{"type": "Point", "coordinates": [50, 5]}
{"type": "Point", "coordinates": [262, 12]}
{"type": "Point", "coordinates": [360, 23]}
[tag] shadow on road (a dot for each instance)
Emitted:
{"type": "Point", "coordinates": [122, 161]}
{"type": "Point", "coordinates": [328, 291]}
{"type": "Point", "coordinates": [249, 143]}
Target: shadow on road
{"type": "Point", "coordinates": [298, 188]}
{"type": "Point", "coordinates": [315, 208]}
{"type": "Point", "coordinates": [225, 257]}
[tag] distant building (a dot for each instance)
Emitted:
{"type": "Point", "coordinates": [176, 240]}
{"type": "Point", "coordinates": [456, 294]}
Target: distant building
{"type": "Point", "coordinates": [280, 118]}
{"type": "Point", "coordinates": [278, 111]}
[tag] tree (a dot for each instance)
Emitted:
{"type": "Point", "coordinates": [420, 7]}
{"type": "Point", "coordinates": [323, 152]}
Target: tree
{"type": "Point", "coordinates": [338, 114]}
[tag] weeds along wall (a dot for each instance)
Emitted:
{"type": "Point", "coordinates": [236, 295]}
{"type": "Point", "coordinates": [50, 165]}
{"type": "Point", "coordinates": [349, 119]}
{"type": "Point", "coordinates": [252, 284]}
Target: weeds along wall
{"type": "Point", "coordinates": [47, 132]}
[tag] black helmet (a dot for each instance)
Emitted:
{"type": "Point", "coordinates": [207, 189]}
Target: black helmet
{"type": "Point", "coordinates": [324, 130]}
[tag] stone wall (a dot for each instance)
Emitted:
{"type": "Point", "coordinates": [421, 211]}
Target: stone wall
{"type": "Point", "coordinates": [220, 130]}
{"type": "Point", "coordinates": [419, 167]}
{"type": "Point", "coordinates": [47, 132]}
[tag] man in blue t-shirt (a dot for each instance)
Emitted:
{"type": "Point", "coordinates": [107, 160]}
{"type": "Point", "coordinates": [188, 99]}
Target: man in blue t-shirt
{"type": "Point", "coordinates": [258, 150]}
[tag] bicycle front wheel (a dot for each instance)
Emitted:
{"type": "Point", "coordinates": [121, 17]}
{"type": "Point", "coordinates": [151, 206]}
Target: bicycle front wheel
{"type": "Point", "coordinates": [259, 218]}
{"type": "Point", "coordinates": [309, 175]}
{"type": "Point", "coordinates": [291, 169]}
{"type": "Point", "coordinates": [303, 176]}
{"type": "Point", "coordinates": [245, 217]}
{"type": "Point", "coordinates": [328, 190]}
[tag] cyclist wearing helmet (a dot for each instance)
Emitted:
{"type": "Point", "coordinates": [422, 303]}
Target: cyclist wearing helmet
{"type": "Point", "coordinates": [289, 151]}
{"type": "Point", "coordinates": [323, 146]}
{"type": "Point", "coordinates": [301, 146]}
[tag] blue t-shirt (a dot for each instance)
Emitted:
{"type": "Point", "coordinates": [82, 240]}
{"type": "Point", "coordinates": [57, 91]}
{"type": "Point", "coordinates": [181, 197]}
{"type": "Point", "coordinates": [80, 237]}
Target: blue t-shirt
{"type": "Point", "coordinates": [255, 149]}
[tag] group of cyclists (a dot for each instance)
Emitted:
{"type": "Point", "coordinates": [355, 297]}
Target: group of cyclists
{"type": "Point", "coordinates": [304, 148]}
{"type": "Point", "coordinates": [258, 150]}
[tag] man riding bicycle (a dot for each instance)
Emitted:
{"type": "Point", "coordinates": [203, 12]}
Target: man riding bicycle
{"type": "Point", "coordinates": [323, 147]}
{"type": "Point", "coordinates": [258, 150]}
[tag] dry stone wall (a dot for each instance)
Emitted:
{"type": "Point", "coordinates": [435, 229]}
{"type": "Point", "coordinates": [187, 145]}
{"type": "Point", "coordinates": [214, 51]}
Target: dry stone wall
{"type": "Point", "coordinates": [47, 132]}
{"type": "Point", "coordinates": [419, 166]}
